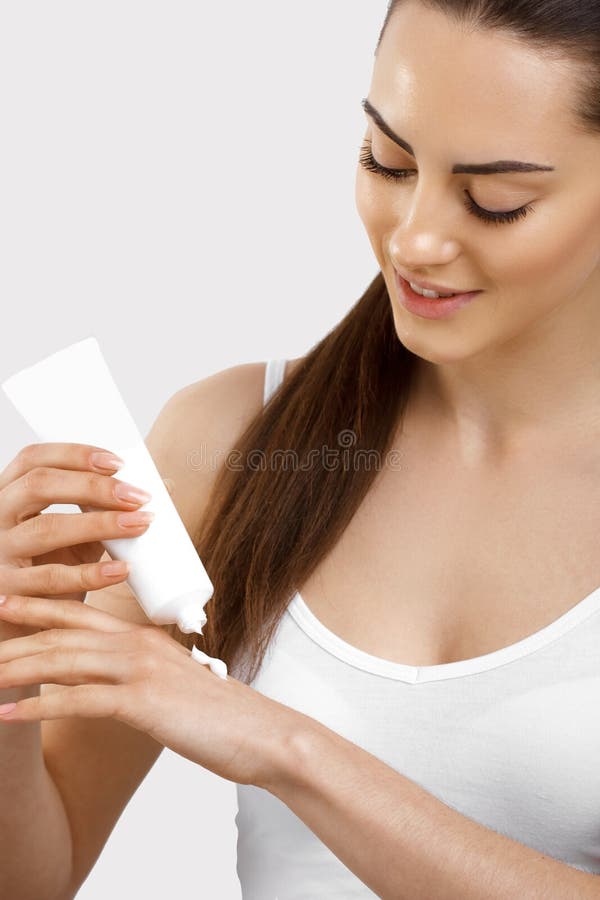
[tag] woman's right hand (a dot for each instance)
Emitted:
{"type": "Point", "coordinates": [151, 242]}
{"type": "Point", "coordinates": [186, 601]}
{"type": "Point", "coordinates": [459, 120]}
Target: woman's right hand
{"type": "Point", "coordinates": [57, 554]}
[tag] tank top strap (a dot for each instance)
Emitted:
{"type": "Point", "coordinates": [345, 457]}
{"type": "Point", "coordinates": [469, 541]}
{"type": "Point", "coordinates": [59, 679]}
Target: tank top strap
{"type": "Point", "coordinates": [274, 372]}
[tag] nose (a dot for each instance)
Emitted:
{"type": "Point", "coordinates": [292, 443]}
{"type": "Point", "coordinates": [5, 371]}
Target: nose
{"type": "Point", "coordinates": [426, 232]}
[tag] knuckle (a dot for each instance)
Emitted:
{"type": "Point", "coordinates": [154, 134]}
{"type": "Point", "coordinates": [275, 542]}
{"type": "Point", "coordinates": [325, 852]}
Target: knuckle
{"type": "Point", "coordinates": [91, 483]}
{"type": "Point", "coordinates": [47, 637]}
{"type": "Point", "coordinates": [28, 527]}
{"type": "Point", "coordinates": [60, 655]}
{"type": "Point", "coordinates": [54, 579]}
{"type": "Point", "coordinates": [37, 477]}
{"type": "Point", "coordinates": [152, 638]}
{"type": "Point", "coordinates": [66, 658]}
{"type": "Point", "coordinates": [149, 649]}
{"type": "Point", "coordinates": [27, 454]}
{"type": "Point", "coordinates": [61, 613]}
{"type": "Point", "coordinates": [68, 661]}
{"type": "Point", "coordinates": [146, 665]}
{"type": "Point", "coordinates": [40, 525]}
{"type": "Point", "coordinates": [87, 576]}
{"type": "Point", "coordinates": [35, 480]}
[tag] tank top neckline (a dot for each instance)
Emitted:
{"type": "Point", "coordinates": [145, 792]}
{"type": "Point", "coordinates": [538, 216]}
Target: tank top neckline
{"type": "Point", "coordinates": [376, 665]}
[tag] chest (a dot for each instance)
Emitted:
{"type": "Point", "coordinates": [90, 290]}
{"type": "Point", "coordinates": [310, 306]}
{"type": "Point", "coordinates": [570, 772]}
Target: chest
{"type": "Point", "coordinates": [442, 562]}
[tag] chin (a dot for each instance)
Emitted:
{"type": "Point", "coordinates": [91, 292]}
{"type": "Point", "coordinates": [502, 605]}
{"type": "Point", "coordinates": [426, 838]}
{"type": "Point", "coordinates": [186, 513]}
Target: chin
{"type": "Point", "coordinates": [438, 349]}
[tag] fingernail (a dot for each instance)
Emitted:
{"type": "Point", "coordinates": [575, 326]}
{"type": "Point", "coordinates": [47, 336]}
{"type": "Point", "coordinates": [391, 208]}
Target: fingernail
{"type": "Point", "coordinates": [114, 568]}
{"type": "Point", "coordinates": [6, 708]}
{"type": "Point", "coordinates": [126, 491]}
{"type": "Point", "coordinates": [2, 598]}
{"type": "Point", "coordinates": [135, 519]}
{"type": "Point", "coordinates": [106, 461]}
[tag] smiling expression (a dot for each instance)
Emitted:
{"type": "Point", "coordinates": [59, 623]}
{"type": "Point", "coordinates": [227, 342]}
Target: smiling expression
{"type": "Point", "coordinates": [447, 110]}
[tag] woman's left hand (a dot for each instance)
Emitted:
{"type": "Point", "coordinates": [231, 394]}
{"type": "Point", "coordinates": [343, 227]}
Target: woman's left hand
{"type": "Point", "coordinates": [140, 675]}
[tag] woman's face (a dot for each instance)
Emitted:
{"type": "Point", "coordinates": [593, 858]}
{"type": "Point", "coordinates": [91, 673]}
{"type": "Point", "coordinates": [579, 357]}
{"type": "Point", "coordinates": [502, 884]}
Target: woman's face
{"type": "Point", "coordinates": [471, 98]}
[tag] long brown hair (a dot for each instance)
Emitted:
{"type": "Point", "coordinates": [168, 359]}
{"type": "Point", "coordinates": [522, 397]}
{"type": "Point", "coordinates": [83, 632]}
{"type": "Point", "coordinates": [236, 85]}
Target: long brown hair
{"type": "Point", "coordinates": [298, 474]}
{"type": "Point", "coordinates": [268, 525]}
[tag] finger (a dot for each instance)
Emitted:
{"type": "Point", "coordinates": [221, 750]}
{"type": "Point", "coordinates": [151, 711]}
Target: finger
{"type": "Point", "coordinates": [56, 578]}
{"type": "Point", "coordinates": [88, 701]}
{"type": "Point", "coordinates": [41, 641]}
{"type": "Point", "coordinates": [49, 531]}
{"type": "Point", "coordinates": [168, 482]}
{"type": "Point", "coordinates": [67, 666]}
{"type": "Point", "coordinates": [44, 613]}
{"type": "Point", "coordinates": [58, 455]}
{"type": "Point", "coordinates": [41, 487]}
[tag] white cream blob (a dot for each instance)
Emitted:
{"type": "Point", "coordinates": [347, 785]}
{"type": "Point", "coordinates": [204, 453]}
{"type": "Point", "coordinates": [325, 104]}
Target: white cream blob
{"type": "Point", "coordinates": [216, 665]}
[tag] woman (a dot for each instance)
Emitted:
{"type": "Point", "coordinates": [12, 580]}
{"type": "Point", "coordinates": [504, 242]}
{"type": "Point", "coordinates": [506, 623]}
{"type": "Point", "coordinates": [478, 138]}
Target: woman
{"type": "Point", "coordinates": [419, 720]}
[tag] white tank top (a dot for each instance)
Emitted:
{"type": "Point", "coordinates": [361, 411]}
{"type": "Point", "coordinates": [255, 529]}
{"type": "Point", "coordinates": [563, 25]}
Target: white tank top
{"type": "Point", "coordinates": [510, 739]}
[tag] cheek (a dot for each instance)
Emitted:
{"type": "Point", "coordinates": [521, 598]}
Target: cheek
{"type": "Point", "coordinates": [572, 246]}
{"type": "Point", "coordinates": [555, 257]}
{"type": "Point", "coordinates": [373, 211]}
{"type": "Point", "coordinates": [363, 198]}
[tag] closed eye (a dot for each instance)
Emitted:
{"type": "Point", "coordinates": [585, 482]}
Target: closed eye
{"type": "Point", "coordinates": [368, 162]}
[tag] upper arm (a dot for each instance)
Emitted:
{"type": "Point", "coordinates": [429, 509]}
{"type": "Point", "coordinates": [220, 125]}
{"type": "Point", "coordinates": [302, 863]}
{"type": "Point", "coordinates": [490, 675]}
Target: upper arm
{"type": "Point", "coordinates": [98, 764]}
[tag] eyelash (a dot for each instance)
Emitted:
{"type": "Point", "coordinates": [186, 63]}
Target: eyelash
{"type": "Point", "coordinates": [368, 161]}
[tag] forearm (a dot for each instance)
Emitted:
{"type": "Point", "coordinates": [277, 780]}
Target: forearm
{"type": "Point", "coordinates": [400, 840]}
{"type": "Point", "coordinates": [35, 839]}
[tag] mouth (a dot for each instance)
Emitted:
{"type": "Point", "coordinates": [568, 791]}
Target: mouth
{"type": "Point", "coordinates": [433, 291]}
{"type": "Point", "coordinates": [430, 307]}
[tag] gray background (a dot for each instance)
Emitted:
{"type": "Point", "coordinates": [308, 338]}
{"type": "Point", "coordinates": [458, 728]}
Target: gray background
{"type": "Point", "coordinates": [177, 179]}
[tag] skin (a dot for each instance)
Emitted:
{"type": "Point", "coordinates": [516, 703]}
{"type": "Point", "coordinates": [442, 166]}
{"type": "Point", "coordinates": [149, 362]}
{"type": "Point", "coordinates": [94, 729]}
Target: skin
{"type": "Point", "coordinates": [520, 366]}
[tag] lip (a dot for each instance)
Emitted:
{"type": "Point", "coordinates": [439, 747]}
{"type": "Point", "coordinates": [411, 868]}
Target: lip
{"type": "Point", "coordinates": [429, 308]}
{"type": "Point", "coordinates": [429, 286]}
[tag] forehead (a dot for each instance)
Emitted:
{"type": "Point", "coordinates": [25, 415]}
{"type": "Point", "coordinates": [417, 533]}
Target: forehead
{"type": "Point", "coordinates": [434, 78]}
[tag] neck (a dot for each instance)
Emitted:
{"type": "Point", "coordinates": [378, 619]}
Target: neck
{"type": "Point", "coordinates": [529, 394]}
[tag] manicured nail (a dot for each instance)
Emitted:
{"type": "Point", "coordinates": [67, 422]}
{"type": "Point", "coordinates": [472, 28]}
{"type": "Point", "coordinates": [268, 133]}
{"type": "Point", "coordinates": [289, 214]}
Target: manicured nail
{"type": "Point", "coordinates": [106, 461]}
{"type": "Point", "coordinates": [114, 568]}
{"type": "Point", "coordinates": [135, 519]}
{"type": "Point", "coordinates": [6, 708]}
{"type": "Point", "coordinates": [126, 491]}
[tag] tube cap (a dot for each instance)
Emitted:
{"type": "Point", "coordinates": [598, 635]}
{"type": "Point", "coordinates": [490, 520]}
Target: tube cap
{"type": "Point", "coordinates": [191, 619]}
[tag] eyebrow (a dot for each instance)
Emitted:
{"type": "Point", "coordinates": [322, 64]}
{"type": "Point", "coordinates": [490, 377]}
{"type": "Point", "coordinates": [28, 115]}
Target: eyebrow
{"type": "Point", "coordinates": [501, 166]}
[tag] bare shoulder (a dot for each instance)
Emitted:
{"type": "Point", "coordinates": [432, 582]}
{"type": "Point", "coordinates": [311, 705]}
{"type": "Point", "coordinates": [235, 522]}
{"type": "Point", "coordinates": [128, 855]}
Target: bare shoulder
{"type": "Point", "coordinates": [236, 393]}
{"type": "Point", "coordinates": [229, 399]}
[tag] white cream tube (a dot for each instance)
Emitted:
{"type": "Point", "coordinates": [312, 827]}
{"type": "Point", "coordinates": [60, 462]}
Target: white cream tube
{"type": "Point", "coordinates": [71, 397]}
